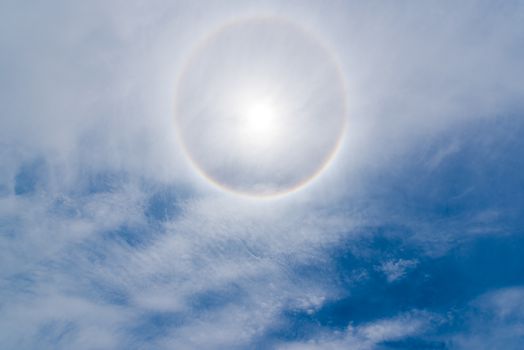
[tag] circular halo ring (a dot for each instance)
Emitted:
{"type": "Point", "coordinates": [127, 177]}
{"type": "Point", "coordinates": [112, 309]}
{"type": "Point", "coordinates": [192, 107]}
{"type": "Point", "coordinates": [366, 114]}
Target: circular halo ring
{"type": "Point", "coordinates": [339, 138]}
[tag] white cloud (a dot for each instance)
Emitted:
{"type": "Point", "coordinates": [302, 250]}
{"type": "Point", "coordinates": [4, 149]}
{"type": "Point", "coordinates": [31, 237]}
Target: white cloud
{"type": "Point", "coordinates": [368, 336]}
{"type": "Point", "coordinates": [90, 91]}
{"type": "Point", "coordinates": [495, 321]}
{"type": "Point", "coordinates": [397, 269]}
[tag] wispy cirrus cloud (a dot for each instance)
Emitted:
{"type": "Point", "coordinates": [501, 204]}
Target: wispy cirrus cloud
{"type": "Point", "coordinates": [110, 240]}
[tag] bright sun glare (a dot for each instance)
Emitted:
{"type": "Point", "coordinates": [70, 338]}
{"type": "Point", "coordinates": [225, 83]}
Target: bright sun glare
{"type": "Point", "coordinates": [258, 121]}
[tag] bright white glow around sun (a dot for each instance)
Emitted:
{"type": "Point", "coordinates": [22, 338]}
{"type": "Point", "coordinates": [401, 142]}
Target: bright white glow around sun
{"type": "Point", "coordinates": [260, 107]}
{"type": "Point", "coordinates": [259, 119]}
{"type": "Point", "coordinates": [258, 122]}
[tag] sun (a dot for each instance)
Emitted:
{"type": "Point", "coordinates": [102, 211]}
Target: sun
{"type": "Point", "coordinates": [259, 121]}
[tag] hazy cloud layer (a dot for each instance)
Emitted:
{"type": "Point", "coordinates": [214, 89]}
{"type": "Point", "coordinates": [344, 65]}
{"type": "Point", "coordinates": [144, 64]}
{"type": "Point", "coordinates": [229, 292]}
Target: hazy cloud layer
{"type": "Point", "coordinates": [410, 239]}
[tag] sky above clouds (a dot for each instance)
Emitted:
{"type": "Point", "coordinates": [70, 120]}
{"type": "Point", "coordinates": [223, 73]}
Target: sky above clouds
{"type": "Point", "coordinates": [411, 238]}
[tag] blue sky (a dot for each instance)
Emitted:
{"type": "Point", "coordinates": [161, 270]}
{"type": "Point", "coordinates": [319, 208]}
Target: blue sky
{"type": "Point", "coordinates": [412, 238]}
